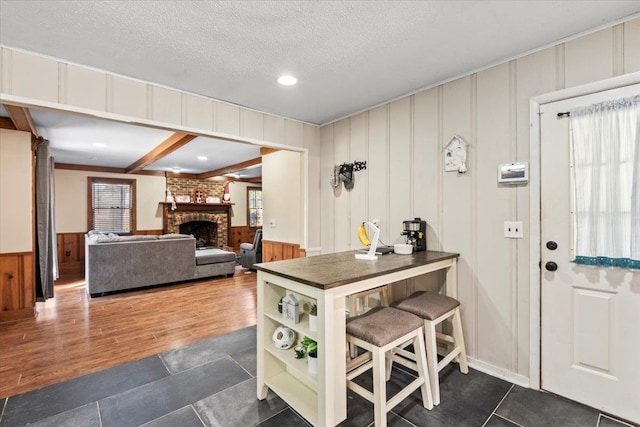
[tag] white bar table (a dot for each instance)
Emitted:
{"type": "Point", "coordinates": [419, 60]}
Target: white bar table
{"type": "Point", "coordinates": [321, 398]}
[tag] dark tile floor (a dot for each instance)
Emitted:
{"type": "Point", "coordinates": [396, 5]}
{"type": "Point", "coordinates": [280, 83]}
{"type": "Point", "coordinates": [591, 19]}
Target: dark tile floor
{"type": "Point", "coordinates": [212, 383]}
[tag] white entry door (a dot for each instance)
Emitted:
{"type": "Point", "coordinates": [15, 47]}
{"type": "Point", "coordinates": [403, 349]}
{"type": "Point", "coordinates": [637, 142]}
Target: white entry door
{"type": "Point", "coordinates": [590, 316]}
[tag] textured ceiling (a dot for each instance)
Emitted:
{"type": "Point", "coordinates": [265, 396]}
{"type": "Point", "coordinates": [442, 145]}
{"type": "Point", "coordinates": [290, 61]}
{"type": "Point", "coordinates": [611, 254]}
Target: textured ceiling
{"type": "Point", "coordinates": [73, 140]}
{"type": "Point", "coordinates": [347, 56]}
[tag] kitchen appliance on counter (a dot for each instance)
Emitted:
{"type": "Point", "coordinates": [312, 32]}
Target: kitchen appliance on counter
{"type": "Point", "coordinates": [415, 232]}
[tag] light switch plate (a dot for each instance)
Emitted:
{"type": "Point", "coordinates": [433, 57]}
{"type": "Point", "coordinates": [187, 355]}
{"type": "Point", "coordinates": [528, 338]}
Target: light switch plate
{"type": "Point", "coordinates": [513, 230]}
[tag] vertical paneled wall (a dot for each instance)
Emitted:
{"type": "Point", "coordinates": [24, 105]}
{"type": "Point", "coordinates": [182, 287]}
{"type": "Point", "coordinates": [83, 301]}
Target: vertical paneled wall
{"type": "Point", "coordinates": [402, 143]}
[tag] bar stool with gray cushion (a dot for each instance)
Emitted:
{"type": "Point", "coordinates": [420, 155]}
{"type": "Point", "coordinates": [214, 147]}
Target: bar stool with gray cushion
{"type": "Point", "coordinates": [435, 308]}
{"type": "Point", "coordinates": [359, 303]}
{"type": "Point", "coordinates": [382, 331]}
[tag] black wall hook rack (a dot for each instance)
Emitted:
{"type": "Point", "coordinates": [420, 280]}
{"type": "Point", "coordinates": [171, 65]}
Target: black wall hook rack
{"type": "Point", "coordinates": [353, 167]}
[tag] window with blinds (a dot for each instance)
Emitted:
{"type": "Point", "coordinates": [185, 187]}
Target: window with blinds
{"type": "Point", "coordinates": [254, 206]}
{"type": "Point", "coordinates": [112, 205]}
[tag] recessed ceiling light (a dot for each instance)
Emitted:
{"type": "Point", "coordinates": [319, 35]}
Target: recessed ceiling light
{"type": "Point", "coordinates": [203, 158]}
{"type": "Point", "coordinates": [99, 144]}
{"type": "Point", "coordinates": [287, 80]}
{"type": "Point", "coordinates": [175, 169]}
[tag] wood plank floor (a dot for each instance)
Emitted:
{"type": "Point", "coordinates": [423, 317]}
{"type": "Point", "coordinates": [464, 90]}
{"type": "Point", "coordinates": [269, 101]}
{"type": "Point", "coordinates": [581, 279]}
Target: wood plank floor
{"type": "Point", "coordinates": [74, 334]}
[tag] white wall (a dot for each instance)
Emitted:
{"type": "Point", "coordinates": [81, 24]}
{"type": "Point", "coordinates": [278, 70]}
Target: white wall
{"type": "Point", "coordinates": [402, 142]}
{"type": "Point", "coordinates": [282, 170]}
{"type": "Point", "coordinates": [71, 199]}
{"type": "Point", "coordinates": [16, 205]}
{"type": "Point", "coordinates": [238, 192]}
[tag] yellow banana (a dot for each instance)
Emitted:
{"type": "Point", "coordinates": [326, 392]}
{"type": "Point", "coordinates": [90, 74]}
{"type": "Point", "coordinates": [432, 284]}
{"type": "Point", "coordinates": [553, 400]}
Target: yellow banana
{"type": "Point", "coordinates": [362, 235]}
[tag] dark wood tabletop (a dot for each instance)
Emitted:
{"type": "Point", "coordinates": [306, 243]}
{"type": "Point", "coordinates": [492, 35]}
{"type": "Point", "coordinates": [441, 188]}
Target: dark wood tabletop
{"type": "Point", "coordinates": [341, 268]}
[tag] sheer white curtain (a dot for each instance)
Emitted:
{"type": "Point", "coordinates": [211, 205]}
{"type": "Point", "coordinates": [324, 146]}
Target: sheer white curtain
{"type": "Point", "coordinates": [605, 139]}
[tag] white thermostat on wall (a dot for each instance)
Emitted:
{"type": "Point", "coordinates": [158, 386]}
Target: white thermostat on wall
{"type": "Point", "coordinates": [513, 173]}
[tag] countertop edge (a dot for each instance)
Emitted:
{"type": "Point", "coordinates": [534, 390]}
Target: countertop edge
{"type": "Point", "coordinates": [264, 268]}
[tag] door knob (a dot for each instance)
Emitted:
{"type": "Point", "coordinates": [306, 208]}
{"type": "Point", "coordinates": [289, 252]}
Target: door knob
{"type": "Point", "coordinates": [551, 266]}
{"type": "Point", "coordinates": [551, 245]}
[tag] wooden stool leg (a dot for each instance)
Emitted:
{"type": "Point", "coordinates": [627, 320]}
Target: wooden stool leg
{"type": "Point", "coordinates": [353, 311]}
{"type": "Point", "coordinates": [385, 296]}
{"type": "Point", "coordinates": [379, 388]}
{"type": "Point", "coordinates": [423, 371]}
{"type": "Point", "coordinates": [388, 366]}
{"type": "Point", "coordinates": [353, 306]}
{"type": "Point", "coordinates": [459, 338]}
{"type": "Point", "coordinates": [432, 359]}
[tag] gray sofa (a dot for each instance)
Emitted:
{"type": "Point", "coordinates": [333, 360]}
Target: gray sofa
{"type": "Point", "coordinates": [114, 263]}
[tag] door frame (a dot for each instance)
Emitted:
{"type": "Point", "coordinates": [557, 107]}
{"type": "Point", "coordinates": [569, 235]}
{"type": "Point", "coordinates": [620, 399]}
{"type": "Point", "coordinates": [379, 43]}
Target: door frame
{"type": "Point", "coordinates": [22, 101]}
{"type": "Point", "coordinates": [535, 307]}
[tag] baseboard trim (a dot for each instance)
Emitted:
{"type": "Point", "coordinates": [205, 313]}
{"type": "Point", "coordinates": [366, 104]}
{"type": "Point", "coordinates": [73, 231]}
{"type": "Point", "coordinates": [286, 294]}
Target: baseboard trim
{"type": "Point", "coordinates": [313, 251]}
{"type": "Point", "coordinates": [497, 372]}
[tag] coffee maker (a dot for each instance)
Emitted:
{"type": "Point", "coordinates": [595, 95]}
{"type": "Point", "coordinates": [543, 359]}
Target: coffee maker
{"type": "Point", "coordinates": [415, 232]}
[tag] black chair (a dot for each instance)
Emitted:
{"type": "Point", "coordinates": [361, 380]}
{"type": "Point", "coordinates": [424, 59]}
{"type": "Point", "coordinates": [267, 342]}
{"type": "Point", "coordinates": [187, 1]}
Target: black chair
{"type": "Point", "coordinates": [251, 253]}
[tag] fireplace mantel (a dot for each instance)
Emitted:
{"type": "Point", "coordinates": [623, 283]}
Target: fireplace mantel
{"type": "Point", "coordinates": [199, 206]}
{"type": "Point", "coordinates": [214, 208]}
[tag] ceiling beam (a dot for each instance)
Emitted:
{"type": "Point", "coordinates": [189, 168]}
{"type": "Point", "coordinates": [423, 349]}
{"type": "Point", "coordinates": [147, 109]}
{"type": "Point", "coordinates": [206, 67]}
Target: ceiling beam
{"type": "Point", "coordinates": [7, 123]}
{"type": "Point", "coordinates": [21, 119]}
{"type": "Point", "coordinates": [231, 168]}
{"type": "Point", "coordinates": [268, 150]}
{"type": "Point", "coordinates": [169, 145]}
{"type": "Point", "coordinates": [179, 175]}
{"type": "Point", "coordinates": [90, 168]}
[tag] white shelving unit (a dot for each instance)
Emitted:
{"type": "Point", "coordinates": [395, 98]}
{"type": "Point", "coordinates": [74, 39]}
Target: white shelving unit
{"type": "Point", "coordinates": [287, 376]}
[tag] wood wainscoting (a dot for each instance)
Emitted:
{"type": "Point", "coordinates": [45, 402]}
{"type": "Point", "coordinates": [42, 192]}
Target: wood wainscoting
{"type": "Point", "coordinates": [71, 251]}
{"type": "Point", "coordinates": [277, 251]}
{"type": "Point", "coordinates": [17, 286]}
{"type": "Point", "coordinates": [242, 234]}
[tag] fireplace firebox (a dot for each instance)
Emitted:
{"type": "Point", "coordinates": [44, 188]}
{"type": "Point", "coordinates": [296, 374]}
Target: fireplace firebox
{"type": "Point", "coordinates": [205, 232]}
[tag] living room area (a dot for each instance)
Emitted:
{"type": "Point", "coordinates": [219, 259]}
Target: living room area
{"type": "Point", "coordinates": [177, 226]}
{"type": "Point", "coordinates": [221, 206]}
{"type": "Point", "coordinates": [185, 298]}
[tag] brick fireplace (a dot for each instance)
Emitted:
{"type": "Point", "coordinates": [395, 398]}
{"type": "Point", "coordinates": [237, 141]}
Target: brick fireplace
{"type": "Point", "coordinates": [194, 216]}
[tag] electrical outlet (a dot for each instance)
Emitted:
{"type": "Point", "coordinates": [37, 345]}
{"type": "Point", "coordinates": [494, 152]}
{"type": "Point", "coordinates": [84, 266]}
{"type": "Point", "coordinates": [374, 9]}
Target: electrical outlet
{"type": "Point", "coordinates": [272, 223]}
{"type": "Point", "coordinates": [513, 230]}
